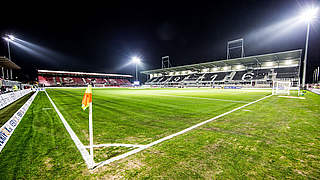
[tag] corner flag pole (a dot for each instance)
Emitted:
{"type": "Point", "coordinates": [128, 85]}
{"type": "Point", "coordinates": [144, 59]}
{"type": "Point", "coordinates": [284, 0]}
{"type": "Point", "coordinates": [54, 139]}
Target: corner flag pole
{"type": "Point", "coordinates": [91, 133]}
{"type": "Point", "coordinates": [87, 102]}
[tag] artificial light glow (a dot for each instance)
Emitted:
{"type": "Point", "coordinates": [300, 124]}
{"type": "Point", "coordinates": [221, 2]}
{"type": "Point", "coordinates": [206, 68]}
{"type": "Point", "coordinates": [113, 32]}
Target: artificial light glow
{"type": "Point", "coordinates": [11, 37]}
{"type": "Point", "coordinates": [205, 70]}
{"type": "Point", "coordinates": [288, 62]}
{"type": "Point", "coordinates": [238, 66]}
{"type": "Point", "coordinates": [269, 63]}
{"type": "Point", "coordinates": [136, 60]}
{"type": "Point", "coordinates": [309, 14]}
{"type": "Point", "coordinates": [6, 39]}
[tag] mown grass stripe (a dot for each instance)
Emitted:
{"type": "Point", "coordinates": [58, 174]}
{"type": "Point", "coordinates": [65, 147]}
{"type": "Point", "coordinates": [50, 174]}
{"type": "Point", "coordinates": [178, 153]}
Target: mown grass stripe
{"type": "Point", "coordinates": [85, 154]}
{"type": "Point", "coordinates": [173, 135]}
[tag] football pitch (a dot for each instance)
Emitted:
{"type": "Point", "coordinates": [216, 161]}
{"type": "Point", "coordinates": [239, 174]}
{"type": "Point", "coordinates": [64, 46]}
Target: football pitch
{"type": "Point", "coordinates": [271, 138]}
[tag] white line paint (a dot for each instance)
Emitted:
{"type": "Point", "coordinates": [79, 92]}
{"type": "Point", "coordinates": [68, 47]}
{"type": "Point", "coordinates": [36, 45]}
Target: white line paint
{"type": "Point", "coordinates": [171, 136]}
{"type": "Point", "coordinates": [192, 97]}
{"type": "Point", "coordinates": [117, 145]}
{"type": "Point", "coordinates": [84, 153]}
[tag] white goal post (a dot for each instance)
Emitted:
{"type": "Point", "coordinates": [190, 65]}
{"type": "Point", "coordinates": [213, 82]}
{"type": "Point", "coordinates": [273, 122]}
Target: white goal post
{"type": "Point", "coordinates": [281, 87]}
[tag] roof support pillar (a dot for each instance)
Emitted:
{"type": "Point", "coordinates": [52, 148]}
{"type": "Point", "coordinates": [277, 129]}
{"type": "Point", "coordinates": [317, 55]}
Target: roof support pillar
{"type": "Point", "coordinates": [2, 70]}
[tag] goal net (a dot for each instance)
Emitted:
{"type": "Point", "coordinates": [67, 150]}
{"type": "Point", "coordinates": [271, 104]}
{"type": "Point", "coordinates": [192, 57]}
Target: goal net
{"type": "Point", "coordinates": [281, 87]}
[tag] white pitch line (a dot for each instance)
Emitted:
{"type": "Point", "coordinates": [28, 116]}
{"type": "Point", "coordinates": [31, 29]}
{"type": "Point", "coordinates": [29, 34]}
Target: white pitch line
{"type": "Point", "coordinates": [117, 145]}
{"type": "Point", "coordinates": [191, 97]}
{"type": "Point", "coordinates": [84, 153]}
{"type": "Point", "coordinates": [171, 136]}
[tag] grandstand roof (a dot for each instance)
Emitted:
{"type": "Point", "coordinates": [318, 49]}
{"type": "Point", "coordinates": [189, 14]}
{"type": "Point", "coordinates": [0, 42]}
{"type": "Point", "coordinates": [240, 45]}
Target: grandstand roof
{"type": "Point", "coordinates": [279, 56]}
{"type": "Point", "coordinates": [7, 63]}
{"type": "Point", "coordinates": [81, 73]}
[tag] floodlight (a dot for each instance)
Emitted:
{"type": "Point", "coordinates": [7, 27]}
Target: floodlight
{"type": "Point", "coordinates": [309, 14]}
{"type": "Point", "coordinates": [288, 62]}
{"type": "Point", "coordinates": [136, 60]}
{"type": "Point", "coordinates": [11, 37]}
{"type": "Point", "coordinates": [6, 39]}
{"type": "Point", "coordinates": [239, 66]}
{"type": "Point", "coordinates": [269, 63]}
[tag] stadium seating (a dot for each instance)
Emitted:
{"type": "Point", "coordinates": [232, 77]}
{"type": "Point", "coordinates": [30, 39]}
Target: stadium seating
{"type": "Point", "coordinates": [80, 81]}
{"type": "Point", "coordinates": [283, 73]}
{"type": "Point", "coordinates": [175, 79]}
{"type": "Point", "coordinates": [209, 77]}
{"type": "Point", "coordinates": [239, 75]}
{"type": "Point", "coordinates": [251, 77]}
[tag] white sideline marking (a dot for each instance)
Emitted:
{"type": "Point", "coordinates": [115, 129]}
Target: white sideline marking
{"type": "Point", "coordinates": [84, 153]}
{"type": "Point", "coordinates": [191, 97]}
{"type": "Point", "coordinates": [171, 136]}
{"type": "Point", "coordinates": [116, 145]}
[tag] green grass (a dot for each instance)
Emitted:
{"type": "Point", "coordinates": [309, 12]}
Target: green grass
{"type": "Point", "coordinates": [40, 147]}
{"type": "Point", "coordinates": [7, 112]}
{"type": "Point", "coordinates": [141, 116]}
{"type": "Point", "coordinates": [274, 138]}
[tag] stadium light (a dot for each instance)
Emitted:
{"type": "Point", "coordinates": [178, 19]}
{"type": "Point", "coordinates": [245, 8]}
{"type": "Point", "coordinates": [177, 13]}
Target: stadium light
{"type": "Point", "coordinates": [6, 39]}
{"type": "Point", "coordinates": [137, 61]}
{"type": "Point", "coordinates": [307, 15]}
{"type": "Point", "coordinates": [9, 38]}
{"type": "Point", "coordinates": [269, 63]}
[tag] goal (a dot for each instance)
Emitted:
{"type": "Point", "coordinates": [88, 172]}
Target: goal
{"type": "Point", "coordinates": [281, 87]}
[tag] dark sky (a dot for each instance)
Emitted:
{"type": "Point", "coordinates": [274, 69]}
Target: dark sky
{"type": "Point", "coordinates": [102, 37]}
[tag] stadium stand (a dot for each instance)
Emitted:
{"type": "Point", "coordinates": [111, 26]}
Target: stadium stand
{"type": "Point", "coordinates": [74, 79]}
{"type": "Point", "coordinates": [8, 81]}
{"type": "Point", "coordinates": [253, 71]}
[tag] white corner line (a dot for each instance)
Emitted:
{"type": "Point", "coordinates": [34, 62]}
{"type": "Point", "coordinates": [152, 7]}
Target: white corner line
{"type": "Point", "coordinates": [98, 165]}
{"type": "Point", "coordinates": [84, 153]}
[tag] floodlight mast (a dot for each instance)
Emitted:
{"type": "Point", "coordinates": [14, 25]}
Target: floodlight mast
{"type": "Point", "coordinates": [136, 60]}
{"type": "Point", "coordinates": [8, 45]}
{"type": "Point", "coordinates": [307, 16]}
{"type": "Point", "coordinates": [136, 71]}
{"type": "Point", "coordinates": [305, 57]}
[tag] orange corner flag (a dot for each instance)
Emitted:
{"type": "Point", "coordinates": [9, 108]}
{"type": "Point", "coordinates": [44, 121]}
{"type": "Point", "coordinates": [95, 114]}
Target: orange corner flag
{"type": "Point", "coordinates": [87, 98]}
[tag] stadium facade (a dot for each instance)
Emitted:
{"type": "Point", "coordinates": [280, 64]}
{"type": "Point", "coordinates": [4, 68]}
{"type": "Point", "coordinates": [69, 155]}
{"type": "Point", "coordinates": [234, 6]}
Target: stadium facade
{"type": "Point", "coordinates": [253, 71]}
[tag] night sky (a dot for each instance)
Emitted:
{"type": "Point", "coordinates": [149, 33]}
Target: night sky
{"type": "Point", "coordinates": [103, 37]}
